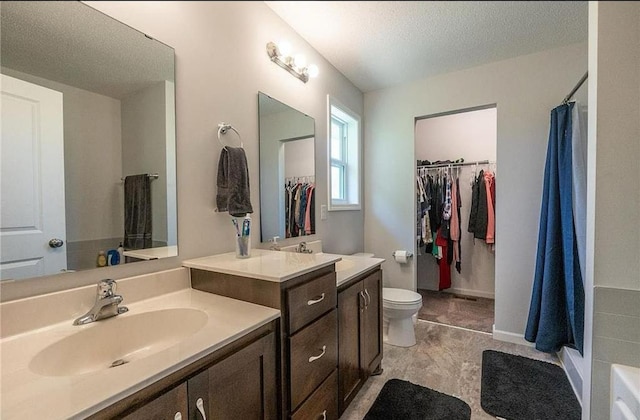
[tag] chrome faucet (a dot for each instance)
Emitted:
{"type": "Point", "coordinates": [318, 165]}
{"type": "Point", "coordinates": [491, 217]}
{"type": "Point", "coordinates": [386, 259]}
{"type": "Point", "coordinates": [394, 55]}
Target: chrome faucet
{"type": "Point", "coordinates": [302, 248]}
{"type": "Point", "coordinates": [106, 304]}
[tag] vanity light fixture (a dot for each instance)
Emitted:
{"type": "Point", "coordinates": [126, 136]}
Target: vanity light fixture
{"type": "Point", "coordinates": [280, 54]}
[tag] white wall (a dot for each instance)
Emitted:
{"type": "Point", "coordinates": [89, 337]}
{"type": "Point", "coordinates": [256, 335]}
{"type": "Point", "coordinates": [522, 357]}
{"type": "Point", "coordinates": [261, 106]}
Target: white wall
{"type": "Point", "coordinates": [221, 64]}
{"type": "Point", "coordinates": [472, 136]}
{"type": "Point", "coordinates": [525, 90]}
{"type": "Point", "coordinates": [612, 284]}
{"type": "Point", "coordinates": [144, 151]}
{"type": "Point", "coordinates": [299, 158]}
{"type": "Point", "coordinates": [92, 165]}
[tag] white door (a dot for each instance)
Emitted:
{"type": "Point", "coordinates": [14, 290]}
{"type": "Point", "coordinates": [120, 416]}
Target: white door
{"type": "Point", "coordinates": [32, 180]}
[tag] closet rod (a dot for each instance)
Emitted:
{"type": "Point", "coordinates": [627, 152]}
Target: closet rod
{"type": "Point", "coordinates": [453, 165]}
{"type": "Point", "coordinates": [576, 87]}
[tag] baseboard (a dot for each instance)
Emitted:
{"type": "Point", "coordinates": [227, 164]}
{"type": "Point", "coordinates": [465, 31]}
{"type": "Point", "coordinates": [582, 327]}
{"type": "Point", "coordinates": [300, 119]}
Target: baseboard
{"type": "Point", "coordinates": [471, 292]}
{"type": "Point", "coordinates": [510, 337]}
{"type": "Point", "coordinates": [572, 363]}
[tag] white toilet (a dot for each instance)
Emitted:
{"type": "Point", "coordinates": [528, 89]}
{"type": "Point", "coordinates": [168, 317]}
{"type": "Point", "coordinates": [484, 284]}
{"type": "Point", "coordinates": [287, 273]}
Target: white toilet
{"type": "Point", "coordinates": [399, 307]}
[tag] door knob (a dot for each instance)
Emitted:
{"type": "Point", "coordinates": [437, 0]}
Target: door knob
{"type": "Point", "coordinates": [56, 243]}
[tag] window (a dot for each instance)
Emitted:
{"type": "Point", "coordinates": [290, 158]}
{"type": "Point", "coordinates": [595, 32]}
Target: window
{"type": "Point", "coordinates": [344, 157]}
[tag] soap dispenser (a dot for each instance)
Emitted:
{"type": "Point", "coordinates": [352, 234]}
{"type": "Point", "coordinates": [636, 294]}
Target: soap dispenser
{"type": "Point", "coordinates": [102, 259]}
{"type": "Point", "coordinates": [274, 245]}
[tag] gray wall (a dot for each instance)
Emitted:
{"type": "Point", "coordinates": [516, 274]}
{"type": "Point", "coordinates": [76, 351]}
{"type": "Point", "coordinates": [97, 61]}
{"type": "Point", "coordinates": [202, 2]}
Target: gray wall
{"type": "Point", "coordinates": [221, 64]}
{"type": "Point", "coordinates": [612, 284]}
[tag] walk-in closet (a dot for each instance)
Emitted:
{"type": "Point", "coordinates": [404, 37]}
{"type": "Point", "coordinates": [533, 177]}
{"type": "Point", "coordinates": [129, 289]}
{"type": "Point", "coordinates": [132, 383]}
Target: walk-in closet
{"type": "Point", "coordinates": [456, 179]}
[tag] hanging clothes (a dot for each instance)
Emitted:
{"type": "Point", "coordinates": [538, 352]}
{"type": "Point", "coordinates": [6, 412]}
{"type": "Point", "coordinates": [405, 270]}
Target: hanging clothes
{"type": "Point", "coordinates": [445, 268]}
{"type": "Point", "coordinates": [299, 209]}
{"type": "Point", "coordinates": [454, 232]}
{"type": "Point", "coordinates": [488, 182]}
{"type": "Point", "coordinates": [556, 314]}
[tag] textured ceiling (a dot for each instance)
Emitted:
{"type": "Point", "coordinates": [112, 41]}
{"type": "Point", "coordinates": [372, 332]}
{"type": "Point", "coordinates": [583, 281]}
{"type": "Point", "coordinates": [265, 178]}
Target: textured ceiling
{"type": "Point", "coordinates": [377, 44]}
{"type": "Point", "coordinates": [74, 44]}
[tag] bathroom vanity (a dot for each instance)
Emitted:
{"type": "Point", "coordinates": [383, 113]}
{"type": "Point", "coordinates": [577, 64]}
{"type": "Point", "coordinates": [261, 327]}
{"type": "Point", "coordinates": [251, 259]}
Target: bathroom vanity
{"type": "Point", "coordinates": [277, 335]}
{"type": "Point", "coordinates": [329, 342]}
{"type": "Point", "coordinates": [173, 347]}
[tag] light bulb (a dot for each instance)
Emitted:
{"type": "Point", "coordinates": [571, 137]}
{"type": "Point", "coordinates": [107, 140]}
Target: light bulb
{"type": "Point", "coordinates": [284, 47]}
{"type": "Point", "coordinates": [313, 70]}
{"type": "Point", "coordinates": [300, 61]}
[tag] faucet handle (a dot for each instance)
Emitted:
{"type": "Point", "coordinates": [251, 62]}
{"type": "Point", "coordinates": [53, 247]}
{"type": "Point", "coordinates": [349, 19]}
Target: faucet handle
{"type": "Point", "coordinates": [106, 288]}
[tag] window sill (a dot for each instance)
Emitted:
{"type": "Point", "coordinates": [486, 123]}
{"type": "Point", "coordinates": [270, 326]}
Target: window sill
{"type": "Point", "coordinates": [344, 207]}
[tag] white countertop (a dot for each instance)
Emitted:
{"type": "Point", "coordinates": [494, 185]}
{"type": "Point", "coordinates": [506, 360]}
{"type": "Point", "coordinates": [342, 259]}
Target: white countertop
{"type": "Point", "coordinates": [352, 266]}
{"type": "Point", "coordinates": [27, 395]}
{"type": "Point", "coordinates": [152, 253]}
{"type": "Point", "coordinates": [276, 266]}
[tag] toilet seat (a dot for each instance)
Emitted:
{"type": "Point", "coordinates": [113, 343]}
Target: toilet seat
{"type": "Point", "coordinates": [400, 297]}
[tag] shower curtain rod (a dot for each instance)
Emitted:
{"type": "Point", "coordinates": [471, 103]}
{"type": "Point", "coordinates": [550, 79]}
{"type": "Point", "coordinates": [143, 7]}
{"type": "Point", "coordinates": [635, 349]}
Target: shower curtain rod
{"type": "Point", "coordinates": [575, 89]}
{"type": "Point", "coordinates": [447, 165]}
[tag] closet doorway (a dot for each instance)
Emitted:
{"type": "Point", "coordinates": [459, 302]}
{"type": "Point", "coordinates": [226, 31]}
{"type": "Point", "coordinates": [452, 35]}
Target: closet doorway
{"type": "Point", "coordinates": [456, 175]}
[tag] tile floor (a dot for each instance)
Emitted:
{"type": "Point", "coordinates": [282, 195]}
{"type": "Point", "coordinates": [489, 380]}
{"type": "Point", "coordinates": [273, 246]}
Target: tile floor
{"type": "Point", "coordinates": [446, 359]}
{"type": "Point", "coordinates": [475, 313]}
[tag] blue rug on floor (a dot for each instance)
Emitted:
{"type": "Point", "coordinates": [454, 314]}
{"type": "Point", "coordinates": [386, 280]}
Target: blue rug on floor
{"type": "Point", "coordinates": [518, 388]}
{"type": "Point", "coordinates": [403, 400]}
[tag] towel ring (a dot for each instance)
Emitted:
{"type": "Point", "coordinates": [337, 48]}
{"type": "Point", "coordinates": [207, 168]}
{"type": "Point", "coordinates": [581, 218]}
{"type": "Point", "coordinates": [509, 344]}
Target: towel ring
{"type": "Point", "coordinates": [223, 128]}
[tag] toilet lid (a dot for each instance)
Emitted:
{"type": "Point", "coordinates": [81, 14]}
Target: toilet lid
{"type": "Point", "coordinates": [400, 295]}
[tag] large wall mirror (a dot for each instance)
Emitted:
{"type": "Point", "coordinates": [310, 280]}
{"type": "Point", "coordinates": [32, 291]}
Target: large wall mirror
{"type": "Point", "coordinates": [88, 141]}
{"type": "Point", "coordinates": [287, 170]}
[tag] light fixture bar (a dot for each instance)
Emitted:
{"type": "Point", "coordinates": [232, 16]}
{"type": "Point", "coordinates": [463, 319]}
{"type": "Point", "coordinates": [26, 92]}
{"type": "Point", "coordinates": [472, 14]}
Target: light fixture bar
{"type": "Point", "coordinates": [286, 63]}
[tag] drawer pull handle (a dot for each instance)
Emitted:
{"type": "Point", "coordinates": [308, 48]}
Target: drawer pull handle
{"type": "Point", "coordinates": [200, 406]}
{"type": "Point", "coordinates": [178, 416]}
{"type": "Point", "coordinates": [324, 415]}
{"type": "Point", "coordinates": [314, 301]}
{"type": "Point", "coordinates": [366, 292]}
{"type": "Point", "coordinates": [313, 358]}
{"type": "Point", "coordinates": [364, 300]}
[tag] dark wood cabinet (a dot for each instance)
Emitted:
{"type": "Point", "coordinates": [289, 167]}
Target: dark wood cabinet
{"type": "Point", "coordinates": [171, 405]}
{"type": "Point", "coordinates": [359, 334]}
{"type": "Point", "coordinates": [242, 386]}
{"type": "Point", "coordinates": [308, 338]}
{"type": "Point", "coordinates": [238, 381]}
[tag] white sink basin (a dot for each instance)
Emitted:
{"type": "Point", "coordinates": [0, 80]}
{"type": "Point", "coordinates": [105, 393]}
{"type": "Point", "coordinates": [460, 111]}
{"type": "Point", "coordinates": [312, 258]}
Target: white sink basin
{"type": "Point", "coordinates": [116, 341]}
{"type": "Point", "coordinates": [344, 264]}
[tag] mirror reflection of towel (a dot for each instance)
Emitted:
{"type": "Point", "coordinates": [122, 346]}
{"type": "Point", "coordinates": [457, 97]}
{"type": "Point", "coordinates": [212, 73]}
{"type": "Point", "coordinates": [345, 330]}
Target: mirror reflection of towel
{"type": "Point", "coordinates": [137, 212]}
{"type": "Point", "coordinates": [233, 182]}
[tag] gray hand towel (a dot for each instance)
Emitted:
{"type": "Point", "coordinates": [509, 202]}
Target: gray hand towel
{"type": "Point", "coordinates": [233, 182]}
{"type": "Point", "coordinates": [137, 212]}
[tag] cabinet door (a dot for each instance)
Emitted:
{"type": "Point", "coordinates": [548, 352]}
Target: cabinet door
{"type": "Point", "coordinates": [242, 386]}
{"type": "Point", "coordinates": [165, 407]}
{"type": "Point", "coordinates": [372, 323]}
{"type": "Point", "coordinates": [350, 374]}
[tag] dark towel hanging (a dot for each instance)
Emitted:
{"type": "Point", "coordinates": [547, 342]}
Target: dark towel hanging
{"type": "Point", "coordinates": [233, 182]}
{"type": "Point", "coordinates": [137, 212]}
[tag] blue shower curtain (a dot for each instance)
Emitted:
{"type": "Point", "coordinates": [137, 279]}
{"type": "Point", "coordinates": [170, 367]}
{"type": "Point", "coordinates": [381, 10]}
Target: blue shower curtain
{"type": "Point", "coordinates": [556, 314]}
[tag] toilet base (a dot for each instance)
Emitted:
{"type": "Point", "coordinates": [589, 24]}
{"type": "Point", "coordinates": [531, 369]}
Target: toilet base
{"type": "Point", "coordinates": [400, 332]}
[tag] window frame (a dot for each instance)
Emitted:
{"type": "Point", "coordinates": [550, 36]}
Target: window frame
{"type": "Point", "coordinates": [350, 163]}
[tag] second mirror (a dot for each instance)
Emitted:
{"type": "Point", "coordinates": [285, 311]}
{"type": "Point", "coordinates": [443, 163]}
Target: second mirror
{"type": "Point", "coordinates": [287, 170]}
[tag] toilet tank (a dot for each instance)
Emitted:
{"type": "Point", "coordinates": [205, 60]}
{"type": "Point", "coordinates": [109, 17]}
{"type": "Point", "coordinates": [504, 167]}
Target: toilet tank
{"type": "Point", "coordinates": [625, 392]}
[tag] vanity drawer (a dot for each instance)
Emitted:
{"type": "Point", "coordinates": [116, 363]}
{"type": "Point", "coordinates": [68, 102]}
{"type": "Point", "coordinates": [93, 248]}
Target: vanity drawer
{"type": "Point", "coordinates": [310, 300]}
{"type": "Point", "coordinates": [323, 403]}
{"type": "Point", "coordinates": [314, 355]}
